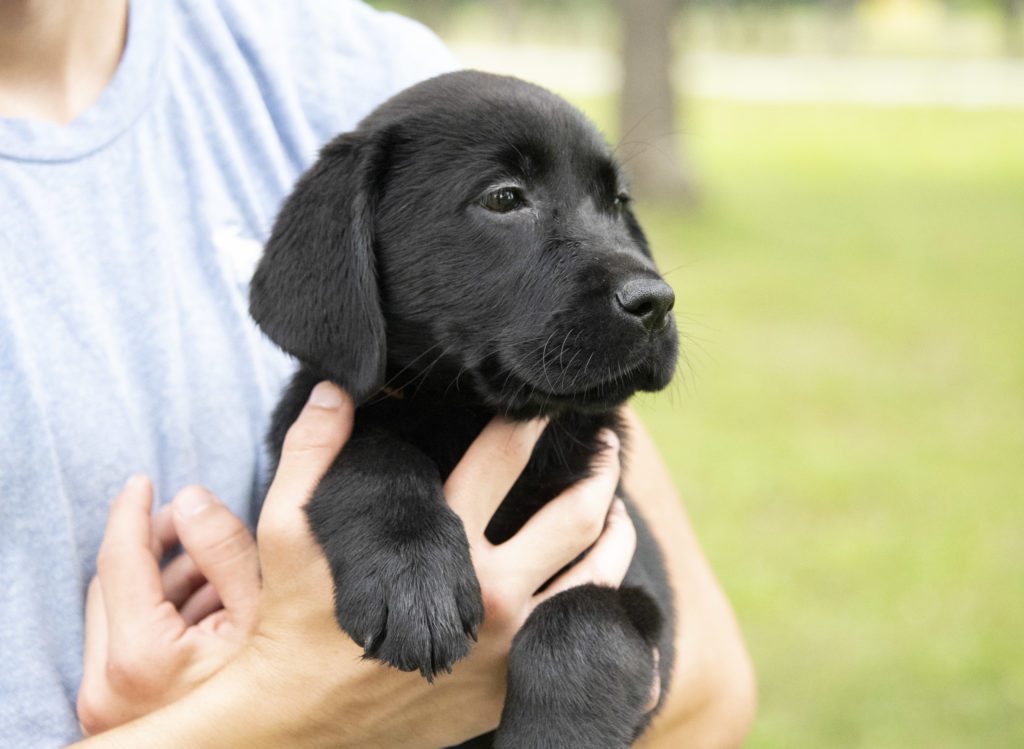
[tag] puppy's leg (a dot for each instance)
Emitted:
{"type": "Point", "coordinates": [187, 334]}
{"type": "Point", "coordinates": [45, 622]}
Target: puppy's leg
{"type": "Point", "coordinates": [580, 671]}
{"type": "Point", "coordinates": [405, 589]}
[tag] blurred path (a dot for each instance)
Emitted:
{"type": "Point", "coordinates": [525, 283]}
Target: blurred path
{"type": "Point", "coordinates": [957, 83]}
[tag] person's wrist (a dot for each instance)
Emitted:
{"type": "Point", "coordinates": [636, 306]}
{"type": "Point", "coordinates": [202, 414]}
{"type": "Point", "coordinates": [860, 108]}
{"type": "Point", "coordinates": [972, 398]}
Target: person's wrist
{"type": "Point", "coordinates": [267, 705]}
{"type": "Point", "coordinates": [287, 698]}
{"type": "Point", "coordinates": [226, 712]}
{"type": "Point", "coordinates": [241, 706]}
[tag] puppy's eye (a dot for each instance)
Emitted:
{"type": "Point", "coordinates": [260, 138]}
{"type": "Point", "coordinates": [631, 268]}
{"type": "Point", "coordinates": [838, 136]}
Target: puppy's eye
{"type": "Point", "coordinates": [504, 199]}
{"type": "Point", "coordinates": [622, 200]}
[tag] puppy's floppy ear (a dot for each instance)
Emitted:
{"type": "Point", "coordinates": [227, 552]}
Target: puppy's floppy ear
{"type": "Point", "coordinates": [315, 292]}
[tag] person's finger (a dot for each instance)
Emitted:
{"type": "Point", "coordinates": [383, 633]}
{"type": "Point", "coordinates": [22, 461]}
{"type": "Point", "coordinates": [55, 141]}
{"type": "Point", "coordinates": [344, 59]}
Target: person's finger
{"type": "Point", "coordinates": [94, 663]}
{"type": "Point", "coordinates": [311, 445]}
{"type": "Point", "coordinates": [95, 651]}
{"type": "Point", "coordinates": [222, 548]}
{"type": "Point", "coordinates": [567, 525]}
{"type": "Point", "coordinates": [655, 693]}
{"type": "Point", "coordinates": [181, 578]}
{"type": "Point", "coordinates": [164, 536]}
{"type": "Point", "coordinates": [126, 567]}
{"type": "Point", "coordinates": [606, 563]}
{"type": "Point", "coordinates": [489, 469]}
{"type": "Point", "coordinates": [201, 604]}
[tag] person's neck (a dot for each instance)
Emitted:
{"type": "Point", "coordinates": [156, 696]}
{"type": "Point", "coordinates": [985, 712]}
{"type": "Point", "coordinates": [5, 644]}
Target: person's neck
{"type": "Point", "coordinates": [57, 56]}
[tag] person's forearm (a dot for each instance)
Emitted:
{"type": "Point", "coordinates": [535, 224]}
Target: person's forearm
{"type": "Point", "coordinates": [242, 707]}
{"type": "Point", "coordinates": [218, 715]}
{"type": "Point", "coordinates": [712, 698]}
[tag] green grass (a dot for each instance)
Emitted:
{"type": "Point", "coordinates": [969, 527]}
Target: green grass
{"type": "Point", "coordinates": [848, 432]}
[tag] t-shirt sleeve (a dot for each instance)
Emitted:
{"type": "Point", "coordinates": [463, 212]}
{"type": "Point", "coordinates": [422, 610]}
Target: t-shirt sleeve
{"type": "Point", "coordinates": [340, 58]}
{"type": "Point", "coordinates": [415, 52]}
{"type": "Point", "coordinates": [367, 57]}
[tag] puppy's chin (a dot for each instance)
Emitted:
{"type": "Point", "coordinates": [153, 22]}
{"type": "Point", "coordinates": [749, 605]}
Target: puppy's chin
{"type": "Point", "coordinates": [523, 397]}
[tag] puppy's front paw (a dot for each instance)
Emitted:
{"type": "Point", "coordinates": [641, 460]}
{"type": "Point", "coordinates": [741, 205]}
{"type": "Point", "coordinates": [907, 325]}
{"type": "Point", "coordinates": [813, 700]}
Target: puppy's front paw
{"type": "Point", "coordinates": [410, 599]}
{"type": "Point", "coordinates": [579, 673]}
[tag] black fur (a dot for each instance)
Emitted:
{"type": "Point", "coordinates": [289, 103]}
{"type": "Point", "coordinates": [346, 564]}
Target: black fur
{"type": "Point", "coordinates": [395, 271]}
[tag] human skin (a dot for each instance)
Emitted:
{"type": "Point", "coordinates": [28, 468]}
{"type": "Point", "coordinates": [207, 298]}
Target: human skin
{"type": "Point", "coordinates": [57, 56]}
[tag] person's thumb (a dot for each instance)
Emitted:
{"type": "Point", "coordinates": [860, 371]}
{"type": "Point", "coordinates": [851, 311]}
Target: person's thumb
{"type": "Point", "coordinates": [222, 548]}
{"type": "Point", "coordinates": [311, 445]}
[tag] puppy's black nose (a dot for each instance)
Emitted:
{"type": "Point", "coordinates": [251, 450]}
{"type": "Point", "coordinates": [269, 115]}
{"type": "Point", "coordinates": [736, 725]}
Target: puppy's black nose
{"type": "Point", "coordinates": [647, 300]}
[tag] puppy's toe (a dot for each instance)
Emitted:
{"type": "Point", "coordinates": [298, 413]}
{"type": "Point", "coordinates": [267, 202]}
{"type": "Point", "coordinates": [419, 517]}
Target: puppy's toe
{"type": "Point", "coordinates": [415, 609]}
{"type": "Point", "coordinates": [429, 624]}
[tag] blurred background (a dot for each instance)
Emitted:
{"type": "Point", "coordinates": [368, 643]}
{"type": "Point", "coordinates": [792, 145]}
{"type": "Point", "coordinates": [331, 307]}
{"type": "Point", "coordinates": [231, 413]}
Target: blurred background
{"type": "Point", "coordinates": [835, 189]}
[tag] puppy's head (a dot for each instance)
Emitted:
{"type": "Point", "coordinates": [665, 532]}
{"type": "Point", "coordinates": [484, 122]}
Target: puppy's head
{"type": "Point", "coordinates": [472, 237]}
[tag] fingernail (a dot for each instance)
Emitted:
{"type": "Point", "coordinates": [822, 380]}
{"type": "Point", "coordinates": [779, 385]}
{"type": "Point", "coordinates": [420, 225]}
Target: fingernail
{"type": "Point", "coordinates": [325, 395]}
{"type": "Point", "coordinates": [136, 483]}
{"type": "Point", "coordinates": [192, 501]}
{"type": "Point", "coordinates": [655, 694]}
{"type": "Point", "coordinates": [610, 439]}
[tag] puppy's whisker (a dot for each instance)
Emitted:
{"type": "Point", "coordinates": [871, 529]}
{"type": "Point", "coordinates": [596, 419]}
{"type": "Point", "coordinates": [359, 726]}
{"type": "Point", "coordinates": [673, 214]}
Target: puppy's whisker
{"type": "Point", "coordinates": [624, 140]}
{"type": "Point", "coordinates": [399, 373]}
{"type": "Point", "coordinates": [561, 351]}
{"type": "Point", "coordinates": [586, 367]}
{"type": "Point", "coordinates": [422, 376]}
{"type": "Point", "coordinates": [455, 382]}
{"type": "Point", "coordinates": [558, 449]}
{"type": "Point", "coordinates": [572, 437]}
{"type": "Point", "coordinates": [676, 268]}
{"type": "Point", "coordinates": [390, 384]}
{"type": "Point", "coordinates": [543, 362]}
{"type": "Point", "coordinates": [568, 367]}
{"type": "Point", "coordinates": [513, 400]}
{"type": "Point", "coordinates": [507, 378]}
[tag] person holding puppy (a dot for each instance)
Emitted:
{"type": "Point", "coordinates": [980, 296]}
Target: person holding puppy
{"type": "Point", "coordinates": [144, 149]}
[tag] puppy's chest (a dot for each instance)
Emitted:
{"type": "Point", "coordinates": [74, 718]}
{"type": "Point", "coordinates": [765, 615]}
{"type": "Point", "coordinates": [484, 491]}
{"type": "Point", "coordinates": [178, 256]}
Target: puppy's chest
{"type": "Point", "coordinates": [562, 457]}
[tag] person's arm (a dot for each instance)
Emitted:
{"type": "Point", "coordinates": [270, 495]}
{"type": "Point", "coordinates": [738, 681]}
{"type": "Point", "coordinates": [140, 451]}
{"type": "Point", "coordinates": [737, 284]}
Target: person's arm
{"type": "Point", "coordinates": [713, 695]}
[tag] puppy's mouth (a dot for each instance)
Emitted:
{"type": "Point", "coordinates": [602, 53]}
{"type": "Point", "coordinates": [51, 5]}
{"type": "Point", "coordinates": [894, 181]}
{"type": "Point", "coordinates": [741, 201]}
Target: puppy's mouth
{"type": "Point", "coordinates": [608, 391]}
{"type": "Point", "coordinates": [524, 395]}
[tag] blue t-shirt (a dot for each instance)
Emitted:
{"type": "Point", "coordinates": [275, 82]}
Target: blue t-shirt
{"type": "Point", "coordinates": [127, 239]}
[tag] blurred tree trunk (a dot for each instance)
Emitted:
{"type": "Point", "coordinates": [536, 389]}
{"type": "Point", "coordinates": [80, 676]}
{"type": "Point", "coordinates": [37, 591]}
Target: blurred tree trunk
{"type": "Point", "coordinates": [510, 16]}
{"type": "Point", "coordinates": [841, 25]}
{"type": "Point", "coordinates": [1013, 11]}
{"type": "Point", "coordinates": [436, 14]}
{"type": "Point", "coordinates": [650, 142]}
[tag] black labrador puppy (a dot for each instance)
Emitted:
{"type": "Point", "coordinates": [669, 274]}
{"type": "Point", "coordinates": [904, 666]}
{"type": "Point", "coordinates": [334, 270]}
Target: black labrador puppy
{"type": "Point", "coordinates": [468, 251]}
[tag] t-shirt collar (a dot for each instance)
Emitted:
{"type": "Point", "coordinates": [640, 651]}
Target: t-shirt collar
{"type": "Point", "coordinates": [126, 97]}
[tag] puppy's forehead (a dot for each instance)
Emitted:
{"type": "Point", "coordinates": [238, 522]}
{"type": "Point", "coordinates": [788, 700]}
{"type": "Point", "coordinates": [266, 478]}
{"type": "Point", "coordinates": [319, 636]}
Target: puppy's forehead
{"type": "Point", "coordinates": [496, 117]}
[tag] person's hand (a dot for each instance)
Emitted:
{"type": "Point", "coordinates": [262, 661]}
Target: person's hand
{"type": "Point", "coordinates": [324, 686]}
{"type": "Point", "coordinates": [299, 681]}
{"type": "Point", "coordinates": [152, 634]}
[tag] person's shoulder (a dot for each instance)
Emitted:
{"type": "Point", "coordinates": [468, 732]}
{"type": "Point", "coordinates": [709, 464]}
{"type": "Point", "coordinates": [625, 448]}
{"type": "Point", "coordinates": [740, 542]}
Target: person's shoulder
{"type": "Point", "coordinates": [343, 56]}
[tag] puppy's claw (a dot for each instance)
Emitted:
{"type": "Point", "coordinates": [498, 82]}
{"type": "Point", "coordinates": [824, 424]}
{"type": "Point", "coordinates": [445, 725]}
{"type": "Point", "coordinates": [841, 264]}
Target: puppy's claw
{"type": "Point", "coordinates": [370, 645]}
{"type": "Point", "coordinates": [426, 625]}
